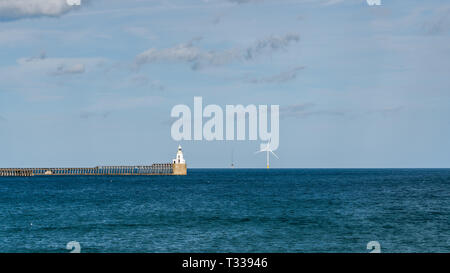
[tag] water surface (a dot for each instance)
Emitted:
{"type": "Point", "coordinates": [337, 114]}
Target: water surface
{"type": "Point", "coordinates": [240, 210]}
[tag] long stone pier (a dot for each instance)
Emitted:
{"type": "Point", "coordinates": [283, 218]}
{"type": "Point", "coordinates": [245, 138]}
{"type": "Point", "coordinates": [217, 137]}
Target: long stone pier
{"type": "Point", "coordinates": [155, 169]}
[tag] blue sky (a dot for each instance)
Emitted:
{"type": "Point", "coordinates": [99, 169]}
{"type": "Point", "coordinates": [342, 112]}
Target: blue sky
{"type": "Point", "coordinates": [358, 85]}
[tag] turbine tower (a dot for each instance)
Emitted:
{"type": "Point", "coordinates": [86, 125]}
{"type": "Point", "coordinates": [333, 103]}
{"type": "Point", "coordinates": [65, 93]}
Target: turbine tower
{"type": "Point", "coordinates": [268, 150]}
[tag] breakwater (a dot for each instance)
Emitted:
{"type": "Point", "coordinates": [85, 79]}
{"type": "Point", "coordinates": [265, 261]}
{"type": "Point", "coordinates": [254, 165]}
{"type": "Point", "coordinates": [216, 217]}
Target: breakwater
{"type": "Point", "coordinates": [154, 169]}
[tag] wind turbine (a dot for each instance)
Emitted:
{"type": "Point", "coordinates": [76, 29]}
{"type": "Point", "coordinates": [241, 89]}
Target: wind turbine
{"type": "Point", "coordinates": [268, 150]}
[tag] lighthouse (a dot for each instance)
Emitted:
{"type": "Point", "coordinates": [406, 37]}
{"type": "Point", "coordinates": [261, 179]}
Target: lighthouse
{"type": "Point", "coordinates": [179, 164]}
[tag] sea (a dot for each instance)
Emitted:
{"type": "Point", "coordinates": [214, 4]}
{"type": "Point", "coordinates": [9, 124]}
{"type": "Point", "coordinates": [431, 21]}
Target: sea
{"type": "Point", "coordinates": [230, 210]}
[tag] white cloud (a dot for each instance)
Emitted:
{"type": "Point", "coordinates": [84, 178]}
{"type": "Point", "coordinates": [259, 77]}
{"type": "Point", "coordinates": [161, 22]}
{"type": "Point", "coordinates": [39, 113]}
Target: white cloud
{"type": "Point", "coordinates": [17, 9]}
{"type": "Point", "coordinates": [43, 78]}
{"type": "Point", "coordinates": [41, 56]}
{"type": "Point", "coordinates": [32, 75]}
{"type": "Point", "coordinates": [245, 1]}
{"type": "Point", "coordinates": [199, 58]}
{"type": "Point", "coordinates": [332, 2]}
{"type": "Point", "coordinates": [63, 69]}
{"type": "Point", "coordinates": [54, 66]}
{"type": "Point", "coordinates": [284, 76]}
{"type": "Point", "coordinates": [307, 110]}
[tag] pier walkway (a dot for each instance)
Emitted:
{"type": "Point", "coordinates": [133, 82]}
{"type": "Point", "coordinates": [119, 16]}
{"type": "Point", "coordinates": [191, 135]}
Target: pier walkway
{"type": "Point", "coordinates": [155, 169]}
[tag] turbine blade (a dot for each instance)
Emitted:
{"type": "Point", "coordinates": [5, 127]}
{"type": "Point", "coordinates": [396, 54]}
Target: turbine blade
{"type": "Point", "coordinates": [274, 154]}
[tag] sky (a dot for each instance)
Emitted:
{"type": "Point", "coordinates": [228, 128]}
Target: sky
{"type": "Point", "coordinates": [358, 86]}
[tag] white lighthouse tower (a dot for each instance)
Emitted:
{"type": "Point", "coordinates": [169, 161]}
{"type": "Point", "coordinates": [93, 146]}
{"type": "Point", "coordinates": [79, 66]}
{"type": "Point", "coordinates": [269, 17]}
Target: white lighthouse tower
{"type": "Point", "coordinates": [179, 159]}
{"type": "Point", "coordinates": [179, 164]}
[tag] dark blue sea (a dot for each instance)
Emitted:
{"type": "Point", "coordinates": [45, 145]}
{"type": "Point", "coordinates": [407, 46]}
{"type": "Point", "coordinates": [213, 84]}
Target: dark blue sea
{"type": "Point", "coordinates": [240, 210]}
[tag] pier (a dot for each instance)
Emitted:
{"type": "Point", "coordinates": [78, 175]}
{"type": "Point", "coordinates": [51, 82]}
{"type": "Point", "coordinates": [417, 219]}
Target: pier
{"type": "Point", "coordinates": [177, 167]}
{"type": "Point", "coordinates": [155, 169]}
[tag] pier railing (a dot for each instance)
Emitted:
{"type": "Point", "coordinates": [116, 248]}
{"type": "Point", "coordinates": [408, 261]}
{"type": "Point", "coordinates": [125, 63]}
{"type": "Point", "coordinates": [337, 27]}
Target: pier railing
{"type": "Point", "coordinates": [155, 169]}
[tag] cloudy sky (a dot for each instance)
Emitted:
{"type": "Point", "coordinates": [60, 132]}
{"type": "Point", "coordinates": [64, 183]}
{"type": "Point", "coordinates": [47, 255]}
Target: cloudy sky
{"type": "Point", "coordinates": [357, 85]}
